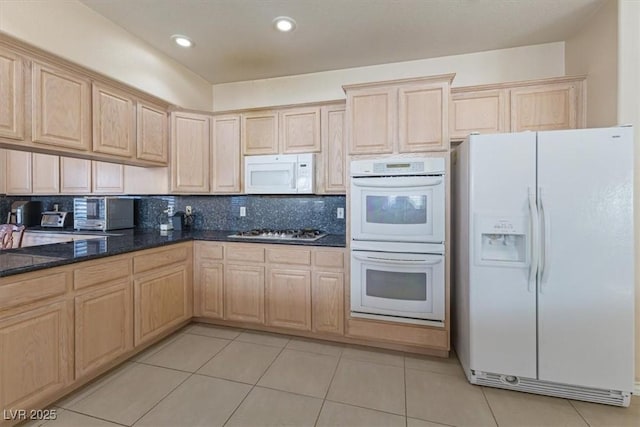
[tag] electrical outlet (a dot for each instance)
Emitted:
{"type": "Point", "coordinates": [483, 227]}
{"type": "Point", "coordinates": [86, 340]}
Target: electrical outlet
{"type": "Point", "coordinates": [243, 211]}
{"type": "Point", "coordinates": [188, 210]}
{"type": "Point", "coordinates": [170, 211]}
{"type": "Point", "coordinates": [340, 213]}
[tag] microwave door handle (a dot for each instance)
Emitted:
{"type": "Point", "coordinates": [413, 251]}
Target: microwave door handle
{"type": "Point", "coordinates": [391, 184]}
{"type": "Point", "coordinates": [397, 261]}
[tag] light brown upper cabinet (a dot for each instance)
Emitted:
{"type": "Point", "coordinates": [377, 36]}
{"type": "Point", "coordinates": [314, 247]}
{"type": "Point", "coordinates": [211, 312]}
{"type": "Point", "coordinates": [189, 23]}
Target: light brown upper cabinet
{"type": "Point", "coordinates": [18, 172]}
{"type": "Point", "coordinates": [287, 131]}
{"type": "Point", "coordinates": [331, 163]}
{"type": "Point", "coordinates": [12, 100]}
{"type": "Point", "coordinates": [482, 111]}
{"type": "Point", "coordinates": [113, 121]}
{"type": "Point", "coordinates": [53, 106]}
{"type": "Point", "coordinates": [423, 117]}
{"type": "Point", "coordinates": [45, 174]}
{"type": "Point", "coordinates": [547, 107]}
{"type": "Point", "coordinates": [61, 108]}
{"type": "Point", "coordinates": [108, 178]}
{"type": "Point", "coordinates": [260, 132]}
{"type": "Point", "coordinates": [152, 133]}
{"type": "Point", "coordinates": [548, 104]}
{"type": "Point", "coordinates": [32, 173]}
{"type": "Point", "coordinates": [371, 120]}
{"type": "Point", "coordinates": [400, 116]}
{"type": "Point", "coordinates": [300, 130]}
{"type": "Point", "coordinates": [225, 172]}
{"type": "Point", "coordinates": [75, 176]}
{"type": "Point", "coordinates": [190, 140]}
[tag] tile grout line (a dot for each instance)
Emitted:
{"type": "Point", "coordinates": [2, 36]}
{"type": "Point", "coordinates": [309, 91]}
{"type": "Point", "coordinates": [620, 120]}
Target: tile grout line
{"type": "Point", "coordinates": [579, 413]}
{"type": "Point", "coordinates": [254, 385]}
{"type": "Point", "coordinates": [489, 405]}
{"type": "Point", "coordinates": [95, 418]}
{"type": "Point", "coordinates": [191, 374]}
{"type": "Point", "coordinates": [333, 375]}
{"type": "Point", "coordinates": [404, 381]}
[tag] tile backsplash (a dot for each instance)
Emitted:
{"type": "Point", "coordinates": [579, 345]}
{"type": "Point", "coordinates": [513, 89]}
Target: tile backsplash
{"type": "Point", "coordinates": [223, 212]}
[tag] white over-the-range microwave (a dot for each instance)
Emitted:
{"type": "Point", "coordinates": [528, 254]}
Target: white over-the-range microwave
{"type": "Point", "coordinates": [279, 174]}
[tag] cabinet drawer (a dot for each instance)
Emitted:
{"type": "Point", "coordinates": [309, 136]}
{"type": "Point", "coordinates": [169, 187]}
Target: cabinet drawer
{"type": "Point", "coordinates": [16, 290]}
{"type": "Point", "coordinates": [289, 256]}
{"type": "Point", "coordinates": [209, 251]}
{"type": "Point", "coordinates": [101, 272]}
{"type": "Point", "coordinates": [161, 258]}
{"type": "Point", "coordinates": [330, 259]}
{"type": "Point", "coordinates": [245, 253]}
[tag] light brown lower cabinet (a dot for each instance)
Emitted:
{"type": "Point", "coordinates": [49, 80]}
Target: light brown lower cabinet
{"type": "Point", "coordinates": [104, 325]}
{"type": "Point", "coordinates": [161, 301]}
{"type": "Point", "coordinates": [244, 293]}
{"type": "Point", "coordinates": [327, 295]}
{"type": "Point", "coordinates": [37, 354]}
{"type": "Point", "coordinates": [288, 298]}
{"type": "Point", "coordinates": [210, 283]}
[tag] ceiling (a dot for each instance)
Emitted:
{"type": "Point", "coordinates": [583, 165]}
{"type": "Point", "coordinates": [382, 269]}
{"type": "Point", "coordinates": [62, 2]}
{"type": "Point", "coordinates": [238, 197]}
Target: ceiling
{"type": "Point", "coordinates": [235, 39]}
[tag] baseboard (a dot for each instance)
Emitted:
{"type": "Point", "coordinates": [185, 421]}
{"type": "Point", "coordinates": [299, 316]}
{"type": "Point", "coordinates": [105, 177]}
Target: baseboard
{"type": "Point", "coordinates": [636, 390]}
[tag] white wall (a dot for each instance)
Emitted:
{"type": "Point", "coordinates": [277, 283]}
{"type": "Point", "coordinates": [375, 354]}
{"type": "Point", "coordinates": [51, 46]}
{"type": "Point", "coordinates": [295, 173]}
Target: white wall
{"type": "Point", "coordinates": [629, 112]}
{"type": "Point", "coordinates": [73, 31]}
{"type": "Point", "coordinates": [522, 63]}
{"type": "Point", "coordinates": [594, 51]}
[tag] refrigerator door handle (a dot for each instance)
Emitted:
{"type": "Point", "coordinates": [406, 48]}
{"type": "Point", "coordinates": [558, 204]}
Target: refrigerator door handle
{"type": "Point", "coordinates": [535, 232]}
{"type": "Point", "coordinates": [544, 244]}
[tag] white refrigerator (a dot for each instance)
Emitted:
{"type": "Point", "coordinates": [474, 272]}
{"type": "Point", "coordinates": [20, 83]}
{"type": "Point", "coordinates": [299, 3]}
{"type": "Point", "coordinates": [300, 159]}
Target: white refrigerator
{"type": "Point", "coordinates": [543, 281]}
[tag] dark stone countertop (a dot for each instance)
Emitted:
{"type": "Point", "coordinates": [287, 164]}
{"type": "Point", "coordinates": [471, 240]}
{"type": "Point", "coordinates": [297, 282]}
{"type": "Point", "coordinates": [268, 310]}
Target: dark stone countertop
{"type": "Point", "coordinates": [17, 261]}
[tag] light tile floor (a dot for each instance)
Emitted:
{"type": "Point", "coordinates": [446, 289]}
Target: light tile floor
{"type": "Point", "coordinates": [214, 376]}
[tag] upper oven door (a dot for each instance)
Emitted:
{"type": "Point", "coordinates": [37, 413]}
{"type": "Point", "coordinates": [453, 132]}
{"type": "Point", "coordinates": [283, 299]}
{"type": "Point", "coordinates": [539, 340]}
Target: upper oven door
{"type": "Point", "coordinates": [398, 209]}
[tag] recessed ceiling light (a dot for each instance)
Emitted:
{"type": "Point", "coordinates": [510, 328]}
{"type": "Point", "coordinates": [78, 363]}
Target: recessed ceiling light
{"type": "Point", "coordinates": [284, 24]}
{"type": "Point", "coordinates": [183, 41]}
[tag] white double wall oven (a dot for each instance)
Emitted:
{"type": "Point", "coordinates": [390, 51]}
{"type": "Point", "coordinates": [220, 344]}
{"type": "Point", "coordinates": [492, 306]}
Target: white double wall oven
{"type": "Point", "coordinates": [397, 239]}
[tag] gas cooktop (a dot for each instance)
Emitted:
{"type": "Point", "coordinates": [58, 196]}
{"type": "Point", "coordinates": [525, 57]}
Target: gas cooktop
{"type": "Point", "coordinates": [308, 234]}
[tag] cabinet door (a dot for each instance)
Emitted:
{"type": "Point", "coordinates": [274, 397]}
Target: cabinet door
{"type": "Point", "coordinates": [371, 120]}
{"type": "Point", "coordinates": [108, 178]}
{"type": "Point", "coordinates": [244, 293]}
{"type": "Point", "coordinates": [139, 180]}
{"type": "Point", "coordinates": [18, 172]}
{"type": "Point", "coordinates": [61, 108]}
{"type": "Point", "coordinates": [328, 302]}
{"type": "Point", "coordinates": [45, 174]}
{"type": "Point", "coordinates": [189, 153]}
{"type": "Point", "coordinates": [422, 118]}
{"type": "Point", "coordinates": [549, 107]}
{"type": "Point", "coordinates": [289, 299]}
{"type": "Point", "coordinates": [300, 130]}
{"type": "Point", "coordinates": [113, 122]}
{"type": "Point", "coordinates": [37, 355]}
{"type": "Point", "coordinates": [209, 286]}
{"type": "Point", "coordinates": [331, 166]}
{"type": "Point", "coordinates": [104, 325]}
{"type": "Point", "coordinates": [161, 302]}
{"type": "Point", "coordinates": [12, 100]}
{"type": "Point", "coordinates": [482, 111]}
{"type": "Point", "coordinates": [260, 133]}
{"type": "Point", "coordinates": [75, 176]}
{"type": "Point", "coordinates": [225, 174]}
{"type": "Point", "coordinates": [152, 133]}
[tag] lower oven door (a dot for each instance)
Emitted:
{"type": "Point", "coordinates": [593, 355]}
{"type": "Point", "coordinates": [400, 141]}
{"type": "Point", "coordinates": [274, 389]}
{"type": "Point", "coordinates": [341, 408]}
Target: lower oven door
{"type": "Point", "coordinates": [398, 284]}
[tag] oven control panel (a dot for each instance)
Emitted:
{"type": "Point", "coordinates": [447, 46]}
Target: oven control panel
{"type": "Point", "coordinates": [398, 166]}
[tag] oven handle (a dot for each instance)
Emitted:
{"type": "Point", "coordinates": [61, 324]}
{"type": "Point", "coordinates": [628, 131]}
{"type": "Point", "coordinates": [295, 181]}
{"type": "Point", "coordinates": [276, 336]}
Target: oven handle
{"type": "Point", "coordinates": [397, 261]}
{"type": "Point", "coordinates": [424, 182]}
